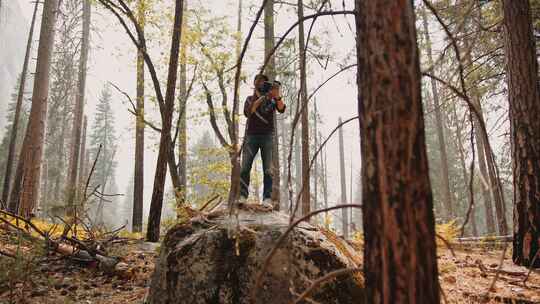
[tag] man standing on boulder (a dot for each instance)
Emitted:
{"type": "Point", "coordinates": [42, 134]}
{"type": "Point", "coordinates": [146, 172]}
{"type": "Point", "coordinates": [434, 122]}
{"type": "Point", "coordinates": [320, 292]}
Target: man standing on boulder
{"type": "Point", "coordinates": [259, 109]}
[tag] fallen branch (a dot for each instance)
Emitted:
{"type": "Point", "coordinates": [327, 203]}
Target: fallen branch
{"type": "Point", "coordinates": [258, 279]}
{"type": "Point", "coordinates": [324, 279]}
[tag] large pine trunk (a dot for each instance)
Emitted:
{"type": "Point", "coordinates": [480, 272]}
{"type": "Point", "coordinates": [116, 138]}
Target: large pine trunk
{"type": "Point", "coordinates": [79, 108]}
{"type": "Point", "coordinates": [24, 194]}
{"type": "Point", "coordinates": [156, 204]}
{"type": "Point", "coordinates": [524, 99]}
{"type": "Point", "coordinates": [15, 126]}
{"type": "Point", "coordinates": [399, 226]}
{"type": "Point", "coordinates": [138, 177]}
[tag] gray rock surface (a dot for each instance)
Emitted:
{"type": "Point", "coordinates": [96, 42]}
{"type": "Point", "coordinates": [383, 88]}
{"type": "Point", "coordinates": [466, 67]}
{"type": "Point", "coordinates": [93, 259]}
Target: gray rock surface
{"type": "Point", "coordinates": [214, 259]}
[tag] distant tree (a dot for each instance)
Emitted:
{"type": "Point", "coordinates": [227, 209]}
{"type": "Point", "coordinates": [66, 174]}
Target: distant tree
{"type": "Point", "coordinates": [103, 133]}
{"type": "Point", "coordinates": [7, 139]}
{"type": "Point", "coordinates": [138, 186]}
{"type": "Point", "coordinates": [397, 202]}
{"type": "Point", "coordinates": [15, 119]}
{"type": "Point", "coordinates": [343, 185]}
{"type": "Point", "coordinates": [208, 170]}
{"type": "Point", "coordinates": [24, 194]}
{"type": "Point", "coordinates": [72, 185]}
{"type": "Point", "coordinates": [306, 193]}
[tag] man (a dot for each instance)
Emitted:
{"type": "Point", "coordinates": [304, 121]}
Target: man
{"type": "Point", "coordinates": [259, 110]}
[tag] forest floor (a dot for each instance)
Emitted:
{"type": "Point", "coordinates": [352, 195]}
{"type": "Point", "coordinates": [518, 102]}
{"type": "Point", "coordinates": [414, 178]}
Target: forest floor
{"type": "Point", "coordinates": [465, 278]}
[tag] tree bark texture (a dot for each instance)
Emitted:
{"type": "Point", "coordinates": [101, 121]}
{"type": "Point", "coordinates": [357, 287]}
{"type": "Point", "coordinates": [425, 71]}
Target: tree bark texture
{"type": "Point", "coordinates": [524, 99]}
{"type": "Point", "coordinates": [400, 264]}
{"type": "Point", "coordinates": [24, 194]}
{"type": "Point", "coordinates": [156, 204]}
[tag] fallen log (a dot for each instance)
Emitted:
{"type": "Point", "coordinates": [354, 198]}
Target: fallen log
{"type": "Point", "coordinates": [83, 255]}
{"type": "Point", "coordinates": [503, 238]}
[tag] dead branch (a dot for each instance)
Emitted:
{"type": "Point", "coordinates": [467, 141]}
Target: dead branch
{"type": "Point", "coordinates": [324, 279]}
{"type": "Point", "coordinates": [279, 242]}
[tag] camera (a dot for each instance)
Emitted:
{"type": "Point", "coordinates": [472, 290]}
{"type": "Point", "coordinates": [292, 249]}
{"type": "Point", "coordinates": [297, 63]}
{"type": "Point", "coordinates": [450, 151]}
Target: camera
{"type": "Point", "coordinates": [269, 105]}
{"type": "Point", "coordinates": [265, 87]}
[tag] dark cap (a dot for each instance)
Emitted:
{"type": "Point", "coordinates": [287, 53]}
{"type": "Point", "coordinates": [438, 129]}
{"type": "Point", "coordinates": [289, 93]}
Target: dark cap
{"type": "Point", "coordinates": [261, 76]}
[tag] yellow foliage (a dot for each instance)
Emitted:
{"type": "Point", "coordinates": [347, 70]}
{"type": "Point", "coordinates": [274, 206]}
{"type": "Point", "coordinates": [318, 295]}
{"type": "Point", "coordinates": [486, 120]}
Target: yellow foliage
{"type": "Point", "coordinates": [449, 231]}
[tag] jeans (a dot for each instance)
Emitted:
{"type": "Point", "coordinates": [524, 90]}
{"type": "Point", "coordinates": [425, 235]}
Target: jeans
{"type": "Point", "coordinates": [252, 145]}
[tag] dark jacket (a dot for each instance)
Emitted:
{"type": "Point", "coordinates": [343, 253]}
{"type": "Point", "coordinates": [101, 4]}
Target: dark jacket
{"type": "Point", "coordinates": [259, 122]}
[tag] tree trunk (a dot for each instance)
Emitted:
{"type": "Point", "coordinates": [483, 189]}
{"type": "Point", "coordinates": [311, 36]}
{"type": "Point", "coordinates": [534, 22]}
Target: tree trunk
{"type": "Point", "coordinates": [138, 176]}
{"type": "Point", "coordinates": [271, 73]}
{"type": "Point", "coordinates": [481, 149]}
{"type": "Point", "coordinates": [316, 166]}
{"type": "Point", "coordinates": [182, 134]}
{"type": "Point", "coordinates": [524, 99]}
{"type": "Point", "coordinates": [343, 182]}
{"type": "Point", "coordinates": [325, 188]}
{"type": "Point", "coordinates": [400, 261]}
{"type": "Point", "coordinates": [27, 178]}
{"type": "Point", "coordinates": [234, 156]}
{"type": "Point", "coordinates": [82, 163]}
{"type": "Point", "coordinates": [445, 180]}
{"type": "Point", "coordinates": [78, 111]}
{"type": "Point", "coordinates": [154, 218]}
{"type": "Point", "coordinates": [306, 194]}
{"type": "Point", "coordinates": [463, 165]}
{"type": "Point", "coordinates": [15, 126]}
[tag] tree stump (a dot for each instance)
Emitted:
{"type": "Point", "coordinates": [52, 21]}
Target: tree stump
{"type": "Point", "coordinates": [216, 259]}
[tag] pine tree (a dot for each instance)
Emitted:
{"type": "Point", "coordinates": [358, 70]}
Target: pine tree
{"type": "Point", "coordinates": [104, 134]}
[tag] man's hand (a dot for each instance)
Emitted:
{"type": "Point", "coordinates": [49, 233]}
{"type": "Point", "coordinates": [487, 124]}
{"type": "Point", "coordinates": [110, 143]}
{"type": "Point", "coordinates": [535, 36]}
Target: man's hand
{"type": "Point", "coordinates": [280, 105]}
{"type": "Point", "coordinates": [256, 104]}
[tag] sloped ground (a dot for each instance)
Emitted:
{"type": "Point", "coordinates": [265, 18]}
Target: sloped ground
{"type": "Point", "coordinates": [33, 278]}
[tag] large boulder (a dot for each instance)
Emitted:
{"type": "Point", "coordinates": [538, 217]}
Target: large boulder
{"type": "Point", "coordinates": [216, 258]}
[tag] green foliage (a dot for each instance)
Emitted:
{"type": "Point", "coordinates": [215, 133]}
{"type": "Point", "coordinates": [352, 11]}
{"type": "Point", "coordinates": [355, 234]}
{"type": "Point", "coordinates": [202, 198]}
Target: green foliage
{"type": "Point", "coordinates": [208, 171]}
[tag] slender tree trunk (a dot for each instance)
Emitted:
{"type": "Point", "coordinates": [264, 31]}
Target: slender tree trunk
{"type": "Point", "coordinates": [445, 180]}
{"type": "Point", "coordinates": [182, 134]}
{"type": "Point", "coordinates": [306, 194]}
{"type": "Point", "coordinates": [27, 178]}
{"type": "Point", "coordinates": [316, 166]}
{"type": "Point", "coordinates": [15, 126]}
{"type": "Point", "coordinates": [343, 181]}
{"type": "Point", "coordinates": [325, 188]}
{"type": "Point", "coordinates": [481, 149]}
{"type": "Point", "coordinates": [524, 99]}
{"type": "Point", "coordinates": [81, 183]}
{"type": "Point", "coordinates": [463, 165]}
{"type": "Point", "coordinates": [154, 218]}
{"type": "Point", "coordinates": [271, 73]}
{"type": "Point", "coordinates": [138, 176]}
{"type": "Point", "coordinates": [78, 110]}
{"type": "Point", "coordinates": [400, 261]}
{"type": "Point", "coordinates": [234, 156]}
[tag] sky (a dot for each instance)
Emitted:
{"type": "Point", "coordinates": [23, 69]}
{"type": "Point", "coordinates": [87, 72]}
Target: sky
{"type": "Point", "coordinates": [112, 56]}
